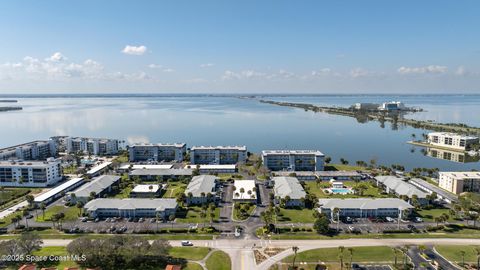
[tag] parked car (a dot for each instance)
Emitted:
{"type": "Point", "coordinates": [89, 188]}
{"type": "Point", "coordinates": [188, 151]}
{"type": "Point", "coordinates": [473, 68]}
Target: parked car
{"type": "Point", "coordinates": [187, 243]}
{"type": "Point", "coordinates": [418, 219]}
{"type": "Point", "coordinates": [389, 219]}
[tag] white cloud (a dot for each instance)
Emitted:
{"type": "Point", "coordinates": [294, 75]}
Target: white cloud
{"type": "Point", "coordinates": [245, 74]}
{"type": "Point", "coordinates": [58, 68]}
{"type": "Point", "coordinates": [432, 69]}
{"type": "Point", "coordinates": [134, 50]}
{"type": "Point", "coordinates": [359, 72]}
{"type": "Point", "coordinates": [154, 66]}
{"type": "Point", "coordinates": [321, 72]}
{"type": "Point", "coordinates": [207, 65]}
{"type": "Point", "coordinates": [168, 70]}
{"type": "Point", "coordinates": [56, 57]}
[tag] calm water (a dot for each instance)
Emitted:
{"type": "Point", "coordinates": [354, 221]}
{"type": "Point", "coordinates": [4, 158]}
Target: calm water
{"type": "Point", "coordinates": [203, 120]}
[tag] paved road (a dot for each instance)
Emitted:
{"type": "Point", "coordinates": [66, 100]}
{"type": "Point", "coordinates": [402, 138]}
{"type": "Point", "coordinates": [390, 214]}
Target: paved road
{"type": "Point", "coordinates": [418, 261]}
{"type": "Point", "coordinates": [13, 209]}
{"type": "Point", "coordinates": [241, 251]}
{"type": "Point", "coordinates": [443, 264]}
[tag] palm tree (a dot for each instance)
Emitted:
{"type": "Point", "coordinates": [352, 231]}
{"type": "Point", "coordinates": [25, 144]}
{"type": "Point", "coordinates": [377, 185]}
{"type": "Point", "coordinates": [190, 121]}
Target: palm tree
{"type": "Point", "coordinates": [404, 250]}
{"type": "Point", "coordinates": [395, 252]}
{"type": "Point", "coordinates": [30, 200]}
{"type": "Point", "coordinates": [43, 207]}
{"type": "Point", "coordinates": [25, 213]}
{"type": "Point", "coordinates": [295, 250]}
{"type": "Point", "coordinates": [340, 255]}
{"type": "Point", "coordinates": [477, 252]}
{"type": "Point", "coordinates": [462, 253]}
{"type": "Point", "coordinates": [350, 250]}
{"type": "Point", "coordinates": [336, 212]}
{"type": "Point", "coordinates": [80, 207]}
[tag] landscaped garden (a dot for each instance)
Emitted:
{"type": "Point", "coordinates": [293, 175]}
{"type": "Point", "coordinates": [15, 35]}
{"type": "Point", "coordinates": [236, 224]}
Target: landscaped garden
{"type": "Point", "coordinates": [219, 260]}
{"type": "Point", "coordinates": [242, 211]}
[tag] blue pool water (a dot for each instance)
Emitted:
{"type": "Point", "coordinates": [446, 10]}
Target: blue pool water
{"type": "Point", "coordinates": [340, 190]}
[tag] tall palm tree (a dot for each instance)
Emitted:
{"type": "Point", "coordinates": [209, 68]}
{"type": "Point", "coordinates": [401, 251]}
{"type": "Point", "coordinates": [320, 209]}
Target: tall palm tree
{"type": "Point", "coordinates": [336, 212]}
{"type": "Point", "coordinates": [295, 250]}
{"type": "Point", "coordinates": [25, 213]}
{"type": "Point", "coordinates": [477, 252]}
{"type": "Point", "coordinates": [43, 207]}
{"type": "Point", "coordinates": [395, 252]}
{"type": "Point", "coordinates": [462, 253]}
{"type": "Point", "coordinates": [350, 250]}
{"type": "Point", "coordinates": [340, 255]}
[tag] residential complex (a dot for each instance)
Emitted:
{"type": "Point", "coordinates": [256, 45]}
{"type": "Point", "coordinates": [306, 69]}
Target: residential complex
{"type": "Point", "coordinates": [365, 208]}
{"type": "Point", "coordinates": [146, 191]}
{"type": "Point", "coordinates": [92, 146]}
{"type": "Point", "coordinates": [431, 188]}
{"type": "Point", "coordinates": [157, 152]}
{"type": "Point", "coordinates": [399, 187]}
{"type": "Point", "coordinates": [30, 173]}
{"type": "Point", "coordinates": [200, 187]}
{"type": "Point", "coordinates": [96, 187]}
{"type": "Point", "coordinates": [160, 174]}
{"type": "Point", "coordinates": [36, 150]}
{"type": "Point", "coordinates": [289, 190]}
{"type": "Point", "coordinates": [154, 208]}
{"type": "Point", "coordinates": [452, 140]}
{"type": "Point", "coordinates": [218, 154]}
{"type": "Point", "coordinates": [211, 169]}
{"type": "Point", "coordinates": [293, 160]}
{"type": "Point", "coordinates": [58, 191]}
{"type": "Point", "coordinates": [244, 191]}
{"type": "Point", "coordinates": [458, 182]}
{"type": "Point", "coordinates": [338, 175]}
{"type": "Point", "coordinates": [98, 169]}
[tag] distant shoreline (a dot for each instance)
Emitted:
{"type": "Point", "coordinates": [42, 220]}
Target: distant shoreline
{"type": "Point", "coordinates": [6, 109]}
{"type": "Point", "coordinates": [239, 95]}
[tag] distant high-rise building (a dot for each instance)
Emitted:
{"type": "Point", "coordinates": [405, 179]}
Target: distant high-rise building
{"type": "Point", "coordinates": [157, 152]}
{"type": "Point", "coordinates": [218, 154]}
{"type": "Point", "coordinates": [36, 150]}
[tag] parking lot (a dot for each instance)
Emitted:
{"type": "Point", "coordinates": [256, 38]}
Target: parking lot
{"type": "Point", "coordinates": [365, 225]}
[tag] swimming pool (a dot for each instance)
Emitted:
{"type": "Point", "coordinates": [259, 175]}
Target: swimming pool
{"type": "Point", "coordinates": [340, 190]}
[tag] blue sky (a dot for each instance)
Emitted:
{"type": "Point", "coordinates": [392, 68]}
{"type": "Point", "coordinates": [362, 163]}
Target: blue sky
{"type": "Point", "coordinates": [240, 46]}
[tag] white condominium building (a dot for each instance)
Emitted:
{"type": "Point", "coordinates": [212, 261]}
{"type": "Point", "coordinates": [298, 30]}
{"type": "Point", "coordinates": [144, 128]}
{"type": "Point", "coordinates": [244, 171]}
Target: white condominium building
{"type": "Point", "coordinates": [93, 146]}
{"type": "Point", "coordinates": [293, 160]}
{"type": "Point", "coordinates": [36, 150]}
{"type": "Point", "coordinates": [458, 182]}
{"type": "Point", "coordinates": [218, 154]}
{"type": "Point", "coordinates": [452, 140]}
{"type": "Point", "coordinates": [157, 152]}
{"type": "Point", "coordinates": [30, 173]}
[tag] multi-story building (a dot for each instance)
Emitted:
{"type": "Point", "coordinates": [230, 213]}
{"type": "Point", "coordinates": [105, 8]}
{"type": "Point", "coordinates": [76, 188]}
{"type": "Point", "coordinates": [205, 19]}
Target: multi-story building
{"type": "Point", "coordinates": [92, 146]}
{"type": "Point", "coordinates": [293, 160]}
{"type": "Point", "coordinates": [200, 187]}
{"type": "Point", "coordinates": [458, 182]}
{"type": "Point", "coordinates": [36, 150]}
{"type": "Point", "coordinates": [30, 173]}
{"type": "Point", "coordinates": [132, 207]}
{"type": "Point", "coordinates": [452, 140]}
{"type": "Point", "coordinates": [365, 208]}
{"type": "Point", "coordinates": [290, 190]}
{"type": "Point", "coordinates": [157, 152]}
{"type": "Point", "coordinates": [392, 106]}
{"type": "Point", "coordinates": [218, 154]}
{"type": "Point", "coordinates": [160, 174]}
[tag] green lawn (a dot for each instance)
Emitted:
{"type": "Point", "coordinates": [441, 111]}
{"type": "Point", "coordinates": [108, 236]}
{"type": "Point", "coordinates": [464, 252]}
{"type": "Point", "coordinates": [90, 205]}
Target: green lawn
{"type": "Point", "coordinates": [360, 254]}
{"type": "Point", "coordinates": [71, 213]}
{"type": "Point", "coordinates": [296, 215]}
{"type": "Point", "coordinates": [219, 260]}
{"type": "Point", "coordinates": [317, 189]}
{"type": "Point", "coordinates": [429, 215]}
{"type": "Point", "coordinates": [193, 266]}
{"type": "Point", "coordinates": [59, 251]}
{"type": "Point", "coordinates": [341, 167]}
{"type": "Point", "coordinates": [8, 194]}
{"type": "Point", "coordinates": [189, 253]}
{"type": "Point", "coordinates": [72, 169]}
{"type": "Point", "coordinates": [174, 188]}
{"type": "Point", "coordinates": [193, 215]}
{"type": "Point", "coordinates": [453, 253]}
{"type": "Point", "coordinates": [124, 193]}
{"type": "Point", "coordinates": [248, 210]}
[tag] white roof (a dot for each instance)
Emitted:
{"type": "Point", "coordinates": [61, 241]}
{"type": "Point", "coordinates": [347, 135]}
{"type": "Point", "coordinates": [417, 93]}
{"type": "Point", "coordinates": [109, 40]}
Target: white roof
{"type": "Point", "coordinates": [364, 203]}
{"type": "Point", "coordinates": [235, 147]}
{"type": "Point", "coordinates": [146, 188]}
{"type": "Point", "coordinates": [201, 184]}
{"type": "Point", "coordinates": [146, 166]}
{"type": "Point", "coordinates": [54, 191]}
{"type": "Point", "coordinates": [159, 144]}
{"type": "Point", "coordinates": [99, 167]}
{"type": "Point", "coordinates": [400, 186]}
{"type": "Point", "coordinates": [292, 152]}
{"type": "Point", "coordinates": [29, 163]}
{"type": "Point", "coordinates": [212, 167]}
{"type": "Point", "coordinates": [131, 203]}
{"type": "Point", "coordinates": [97, 185]}
{"type": "Point", "coordinates": [288, 186]}
{"type": "Point", "coordinates": [461, 175]}
{"type": "Point", "coordinates": [246, 185]}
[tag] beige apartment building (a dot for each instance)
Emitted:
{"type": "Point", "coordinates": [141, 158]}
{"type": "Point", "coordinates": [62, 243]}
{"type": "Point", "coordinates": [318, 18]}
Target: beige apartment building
{"type": "Point", "coordinates": [458, 182]}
